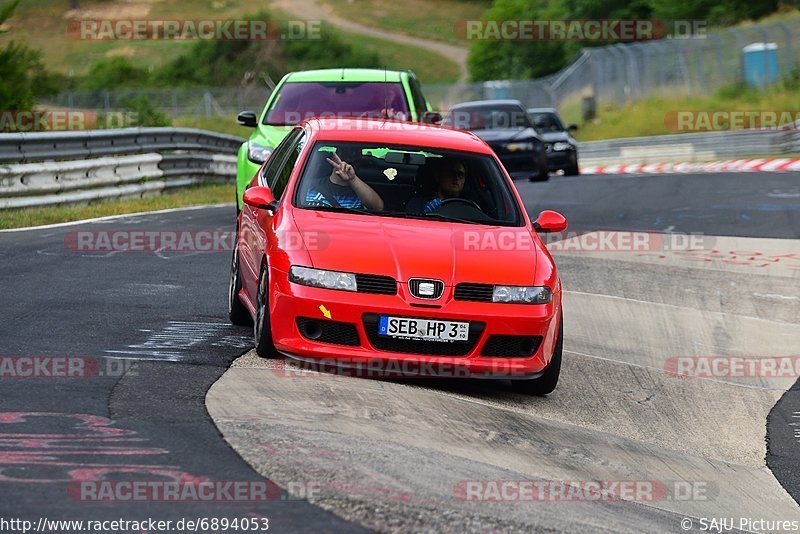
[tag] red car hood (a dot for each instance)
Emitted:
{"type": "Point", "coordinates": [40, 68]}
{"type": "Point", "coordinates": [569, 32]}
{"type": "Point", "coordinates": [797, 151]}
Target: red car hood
{"type": "Point", "coordinates": [410, 248]}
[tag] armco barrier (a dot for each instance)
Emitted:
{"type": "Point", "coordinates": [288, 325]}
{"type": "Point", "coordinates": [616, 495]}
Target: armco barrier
{"type": "Point", "coordinates": [39, 169]}
{"type": "Point", "coordinates": [690, 147]}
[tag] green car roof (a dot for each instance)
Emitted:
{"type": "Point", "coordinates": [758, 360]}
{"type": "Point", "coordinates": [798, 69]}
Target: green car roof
{"type": "Point", "coordinates": [344, 75]}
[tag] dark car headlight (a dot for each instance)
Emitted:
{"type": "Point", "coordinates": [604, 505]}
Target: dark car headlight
{"type": "Point", "coordinates": [524, 146]}
{"type": "Point", "coordinates": [561, 146]}
{"type": "Point", "coordinates": [258, 153]}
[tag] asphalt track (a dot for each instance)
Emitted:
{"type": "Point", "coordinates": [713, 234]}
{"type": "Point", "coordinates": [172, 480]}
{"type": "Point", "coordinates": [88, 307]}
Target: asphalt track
{"type": "Point", "coordinates": [156, 324]}
{"type": "Point", "coordinates": [388, 455]}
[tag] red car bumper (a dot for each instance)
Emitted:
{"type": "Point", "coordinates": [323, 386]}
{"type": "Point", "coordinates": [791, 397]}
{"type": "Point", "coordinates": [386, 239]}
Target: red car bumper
{"type": "Point", "coordinates": [491, 325]}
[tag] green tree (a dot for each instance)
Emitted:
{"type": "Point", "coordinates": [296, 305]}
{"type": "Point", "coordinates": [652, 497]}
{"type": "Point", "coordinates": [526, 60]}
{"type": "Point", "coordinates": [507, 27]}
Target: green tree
{"type": "Point", "coordinates": [498, 59]}
{"type": "Point", "coordinates": [145, 114]}
{"type": "Point", "coordinates": [491, 59]}
{"type": "Point", "coordinates": [7, 10]}
{"type": "Point", "coordinates": [112, 73]}
{"type": "Point", "coordinates": [715, 12]}
{"type": "Point", "coordinates": [608, 9]}
{"type": "Point", "coordinates": [22, 72]}
{"type": "Point", "coordinates": [225, 63]}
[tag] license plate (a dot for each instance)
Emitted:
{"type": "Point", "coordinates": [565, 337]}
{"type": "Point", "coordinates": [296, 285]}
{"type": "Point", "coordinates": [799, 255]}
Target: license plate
{"type": "Point", "coordinates": [425, 329]}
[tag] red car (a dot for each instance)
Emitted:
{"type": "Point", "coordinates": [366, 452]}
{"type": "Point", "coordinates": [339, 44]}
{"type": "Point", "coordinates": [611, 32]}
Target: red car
{"type": "Point", "coordinates": [397, 248]}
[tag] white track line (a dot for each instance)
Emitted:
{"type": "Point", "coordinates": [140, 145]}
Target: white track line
{"type": "Point", "coordinates": [664, 372]}
{"type": "Point", "coordinates": [112, 217]}
{"type": "Point", "coordinates": [671, 306]}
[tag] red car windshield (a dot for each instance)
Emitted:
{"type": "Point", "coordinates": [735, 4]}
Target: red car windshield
{"type": "Point", "coordinates": [411, 182]}
{"type": "Point", "coordinates": [298, 101]}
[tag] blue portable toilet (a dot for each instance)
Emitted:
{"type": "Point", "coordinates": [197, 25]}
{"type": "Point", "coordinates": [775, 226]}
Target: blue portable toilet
{"type": "Point", "coordinates": [496, 89]}
{"type": "Point", "coordinates": [760, 61]}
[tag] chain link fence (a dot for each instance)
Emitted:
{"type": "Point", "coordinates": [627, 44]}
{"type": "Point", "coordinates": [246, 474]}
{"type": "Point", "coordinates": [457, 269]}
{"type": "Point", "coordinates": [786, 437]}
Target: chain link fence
{"type": "Point", "coordinates": [615, 74]}
{"type": "Point", "coordinates": [175, 102]}
{"type": "Point", "coordinates": [623, 73]}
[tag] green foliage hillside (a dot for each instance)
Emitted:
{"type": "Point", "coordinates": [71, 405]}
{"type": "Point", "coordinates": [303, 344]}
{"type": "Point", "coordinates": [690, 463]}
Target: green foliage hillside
{"type": "Point", "coordinates": [506, 59]}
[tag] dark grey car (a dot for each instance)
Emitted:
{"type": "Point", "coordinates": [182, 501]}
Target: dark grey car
{"type": "Point", "coordinates": [505, 126]}
{"type": "Point", "coordinates": [559, 145]}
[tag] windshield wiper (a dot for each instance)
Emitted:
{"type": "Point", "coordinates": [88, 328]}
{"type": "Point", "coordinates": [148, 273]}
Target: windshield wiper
{"type": "Point", "coordinates": [400, 214]}
{"type": "Point", "coordinates": [341, 209]}
{"type": "Point", "coordinates": [441, 217]}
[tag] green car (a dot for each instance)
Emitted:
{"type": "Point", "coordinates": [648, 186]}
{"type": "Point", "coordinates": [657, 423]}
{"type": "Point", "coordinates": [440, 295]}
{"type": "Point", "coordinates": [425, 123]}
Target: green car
{"type": "Point", "coordinates": [330, 92]}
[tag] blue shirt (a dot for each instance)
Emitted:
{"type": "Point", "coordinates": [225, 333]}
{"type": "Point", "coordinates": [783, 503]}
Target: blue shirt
{"type": "Point", "coordinates": [344, 195]}
{"type": "Point", "coordinates": [422, 205]}
{"type": "Point", "coordinates": [432, 205]}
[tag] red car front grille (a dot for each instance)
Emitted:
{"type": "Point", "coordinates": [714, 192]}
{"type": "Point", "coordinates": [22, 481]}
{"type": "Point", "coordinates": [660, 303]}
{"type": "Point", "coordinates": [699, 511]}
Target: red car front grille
{"type": "Point", "coordinates": [372, 283]}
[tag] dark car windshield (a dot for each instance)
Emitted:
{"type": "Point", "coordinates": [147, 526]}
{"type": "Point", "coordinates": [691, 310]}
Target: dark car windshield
{"type": "Point", "coordinates": [297, 101]}
{"type": "Point", "coordinates": [412, 182]}
{"type": "Point", "coordinates": [487, 118]}
{"type": "Point", "coordinates": [547, 122]}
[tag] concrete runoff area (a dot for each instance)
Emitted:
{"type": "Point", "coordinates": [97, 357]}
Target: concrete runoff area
{"type": "Point", "coordinates": [396, 455]}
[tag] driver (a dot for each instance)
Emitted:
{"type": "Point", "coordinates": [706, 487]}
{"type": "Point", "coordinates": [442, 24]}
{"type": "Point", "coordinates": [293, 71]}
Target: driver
{"type": "Point", "coordinates": [343, 188]}
{"type": "Point", "coordinates": [449, 177]}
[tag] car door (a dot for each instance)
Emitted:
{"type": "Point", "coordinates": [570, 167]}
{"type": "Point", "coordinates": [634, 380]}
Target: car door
{"type": "Point", "coordinates": [277, 183]}
{"type": "Point", "coordinates": [256, 222]}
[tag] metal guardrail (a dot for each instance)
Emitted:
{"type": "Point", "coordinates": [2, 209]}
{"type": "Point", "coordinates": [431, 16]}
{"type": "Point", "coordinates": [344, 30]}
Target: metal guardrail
{"type": "Point", "coordinates": [42, 169]}
{"type": "Point", "coordinates": [690, 147]}
{"type": "Point", "coordinates": [43, 146]}
{"type": "Point", "coordinates": [38, 169]}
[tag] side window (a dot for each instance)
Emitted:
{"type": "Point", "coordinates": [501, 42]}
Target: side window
{"type": "Point", "coordinates": [267, 176]}
{"type": "Point", "coordinates": [278, 186]}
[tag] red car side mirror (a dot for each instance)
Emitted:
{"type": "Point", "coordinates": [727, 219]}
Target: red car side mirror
{"type": "Point", "coordinates": [260, 197]}
{"type": "Point", "coordinates": [550, 221]}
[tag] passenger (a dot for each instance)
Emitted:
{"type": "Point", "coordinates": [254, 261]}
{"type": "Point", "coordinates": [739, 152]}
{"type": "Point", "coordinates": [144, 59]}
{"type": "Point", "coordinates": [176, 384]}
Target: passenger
{"type": "Point", "coordinates": [343, 188]}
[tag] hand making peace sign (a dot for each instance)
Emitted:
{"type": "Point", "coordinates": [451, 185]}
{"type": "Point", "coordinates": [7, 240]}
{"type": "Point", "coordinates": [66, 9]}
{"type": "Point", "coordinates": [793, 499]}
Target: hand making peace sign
{"type": "Point", "coordinates": [342, 169]}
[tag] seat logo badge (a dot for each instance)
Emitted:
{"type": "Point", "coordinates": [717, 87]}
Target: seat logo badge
{"type": "Point", "coordinates": [426, 289]}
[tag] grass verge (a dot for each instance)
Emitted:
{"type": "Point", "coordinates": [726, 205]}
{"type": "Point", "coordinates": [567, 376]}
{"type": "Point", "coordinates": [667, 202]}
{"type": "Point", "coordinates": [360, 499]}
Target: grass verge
{"type": "Point", "coordinates": [225, 124]}
{"type": "Point", "coordinates": [421, 18]}
{"type": "Point", "coordinates": [657, 116]}
{"type": "Point", "coordinates": [188, 196]}
{"type": "Point", "coordinates": [429, 67]}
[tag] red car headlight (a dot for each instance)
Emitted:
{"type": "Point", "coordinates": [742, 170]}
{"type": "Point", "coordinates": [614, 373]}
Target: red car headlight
{"type": "Point", "coordinates": [522, 295]}
{"type": "Point", "coordinates": [308, 276]}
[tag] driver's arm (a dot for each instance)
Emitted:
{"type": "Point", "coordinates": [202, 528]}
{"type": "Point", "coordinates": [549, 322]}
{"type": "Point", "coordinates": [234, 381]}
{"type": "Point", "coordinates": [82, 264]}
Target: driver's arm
{"type": "Point", "coordinates": [368, 196]}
